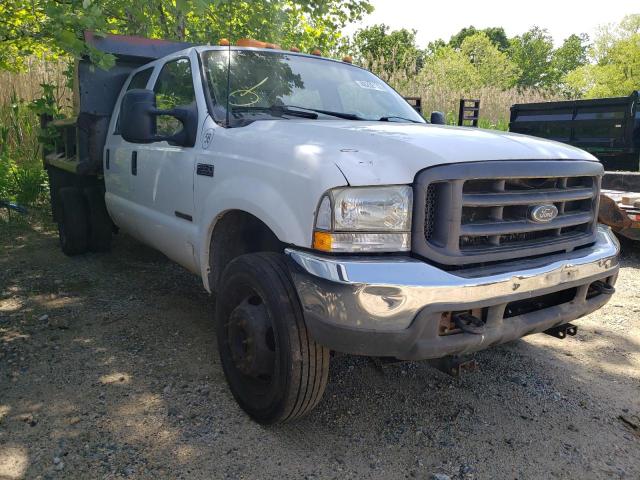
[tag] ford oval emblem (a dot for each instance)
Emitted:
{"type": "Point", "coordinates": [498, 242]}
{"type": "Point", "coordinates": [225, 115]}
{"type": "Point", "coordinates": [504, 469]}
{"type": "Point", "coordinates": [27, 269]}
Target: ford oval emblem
{"type": "Point", "coordinates": [543, 213]}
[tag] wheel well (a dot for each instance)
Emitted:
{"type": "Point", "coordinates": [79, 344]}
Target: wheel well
{"type": "Point", "coordinates": [234, 234]}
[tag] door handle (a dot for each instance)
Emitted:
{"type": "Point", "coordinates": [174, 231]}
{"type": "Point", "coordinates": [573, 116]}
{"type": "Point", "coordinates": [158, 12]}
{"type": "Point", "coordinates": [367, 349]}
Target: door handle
{"type": "Point", "coordinates": [134, 163]}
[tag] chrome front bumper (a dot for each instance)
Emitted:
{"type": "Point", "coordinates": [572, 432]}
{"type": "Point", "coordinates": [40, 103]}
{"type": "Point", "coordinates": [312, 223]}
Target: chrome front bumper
{"type": "Point", "coordinates": [347, 301]}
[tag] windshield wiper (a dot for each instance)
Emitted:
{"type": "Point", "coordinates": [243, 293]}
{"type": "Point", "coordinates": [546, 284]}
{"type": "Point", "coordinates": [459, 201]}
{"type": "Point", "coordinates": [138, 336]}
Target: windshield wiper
{"type": "Point", "coordinates": [295, 110]}
{"type": "Point", "coordinates": [388, 119]}
{"type": "Point", "coordinates": [346, 116]}
{"type": "Point", "coordinates": [277, 110]}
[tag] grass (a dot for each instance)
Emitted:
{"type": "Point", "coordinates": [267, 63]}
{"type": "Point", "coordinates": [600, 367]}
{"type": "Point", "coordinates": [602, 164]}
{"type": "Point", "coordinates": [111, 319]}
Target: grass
{"type": "Point", "coordinates": [442, 95]}
{"type": "Point", "coordinates": [495, 103]}
{"type": "Point", "coordinates": [22, 178]}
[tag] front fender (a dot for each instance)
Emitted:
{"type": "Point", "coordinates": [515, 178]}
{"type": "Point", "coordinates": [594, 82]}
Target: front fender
{"type": "Point", "coordinates": [291, 221]}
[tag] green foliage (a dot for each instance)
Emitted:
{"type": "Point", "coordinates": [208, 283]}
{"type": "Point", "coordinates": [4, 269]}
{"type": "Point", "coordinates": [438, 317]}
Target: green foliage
{"type": "Point", "coordinates": [21, 175]}
{"type": "Point", "coordinates": [477, 63]}
{"type": "Point", "coordinates": [492, 66]}
{"type": "Point", "coordinates": [397, 48]}
{"type": "Point", "coordinates": [525, 61]}
{"type": "Point", "coordinates": [496, 35]}
{"type": "Point", "coordinates": [450, 67]}
{"type": "Point", "coordinates": [570, 55]}
{"type": "Point", "coordinates": [41, 27]}
{"type": "Point", "coordinates": [615, 67]}
{"type": "Point", "coordinates": [532, 52]}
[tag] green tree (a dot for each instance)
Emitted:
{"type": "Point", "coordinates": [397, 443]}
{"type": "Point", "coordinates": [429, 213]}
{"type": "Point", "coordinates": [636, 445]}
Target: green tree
{"type": "Point", "coordinates": [497, 36]}
{"type": "Point", "coordinates": [615, 67]}
{"type": "Point", "coordinates": [434, 46]}
{"type": "Point", "coordinates": [570, 55]}
{"type": "Point", "coordinates": [532, 52]}
{"type": "Point", "coordinates": [450, 68]}
{"type": "Point", "coordinates": [36, 26]}
{"type": "Point", "coordinates": [493, 67]}
{"type": "Point", "coordinates": [377, 47]}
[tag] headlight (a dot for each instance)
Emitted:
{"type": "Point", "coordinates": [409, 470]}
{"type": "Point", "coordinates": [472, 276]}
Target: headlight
{"type": "Point", "coordinates": [364, 219]}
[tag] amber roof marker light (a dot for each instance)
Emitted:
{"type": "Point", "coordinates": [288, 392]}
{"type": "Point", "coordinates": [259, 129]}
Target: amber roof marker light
{"type": "Point", "coordinates": [250, 42]}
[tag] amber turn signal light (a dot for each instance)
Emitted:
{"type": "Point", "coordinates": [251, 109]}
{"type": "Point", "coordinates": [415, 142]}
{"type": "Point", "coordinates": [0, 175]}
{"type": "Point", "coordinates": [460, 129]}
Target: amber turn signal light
{"type": "Point", "coordinates": [322, 241]}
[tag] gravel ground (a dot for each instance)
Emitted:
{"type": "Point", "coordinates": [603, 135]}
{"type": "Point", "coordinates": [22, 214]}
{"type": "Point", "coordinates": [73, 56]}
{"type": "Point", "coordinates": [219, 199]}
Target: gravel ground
{"type": "Point", "coordinates": [109, 369]}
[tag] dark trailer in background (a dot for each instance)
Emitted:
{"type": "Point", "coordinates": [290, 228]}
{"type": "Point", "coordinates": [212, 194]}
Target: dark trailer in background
{"type": "Point", "coordinates": [608, 128]}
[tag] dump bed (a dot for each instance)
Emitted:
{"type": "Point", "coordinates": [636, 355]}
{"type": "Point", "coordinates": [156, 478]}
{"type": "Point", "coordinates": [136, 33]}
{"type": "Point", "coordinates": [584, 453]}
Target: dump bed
{"type": "Point", "coordinates": [609, 128]}
{"type": "Point", "coordinates": [79, 146]}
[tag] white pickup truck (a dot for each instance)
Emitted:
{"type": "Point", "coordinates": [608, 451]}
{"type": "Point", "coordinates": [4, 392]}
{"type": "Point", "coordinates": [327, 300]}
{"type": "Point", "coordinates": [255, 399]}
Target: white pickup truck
{"type": "Point", "coordinates": [325, 213]}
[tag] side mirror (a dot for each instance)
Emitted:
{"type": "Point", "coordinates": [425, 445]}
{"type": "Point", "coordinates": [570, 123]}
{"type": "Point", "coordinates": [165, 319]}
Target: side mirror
{"type": "Point", "coordinates": [138, 123]}
{"type": "Point", "coordinates": [437, 118]}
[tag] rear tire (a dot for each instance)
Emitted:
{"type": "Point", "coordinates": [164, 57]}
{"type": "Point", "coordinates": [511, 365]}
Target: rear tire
{"type": "Point", "coordinates": [100, 225]}
{"type": "Point", "coordinates": [275, 370]}
{"type": "Point", "coordinates": [73, 230]}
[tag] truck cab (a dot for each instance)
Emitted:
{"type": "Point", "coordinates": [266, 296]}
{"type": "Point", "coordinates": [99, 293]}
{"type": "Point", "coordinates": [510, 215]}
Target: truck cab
{"type": "Point", "coordinates": [326, 214]}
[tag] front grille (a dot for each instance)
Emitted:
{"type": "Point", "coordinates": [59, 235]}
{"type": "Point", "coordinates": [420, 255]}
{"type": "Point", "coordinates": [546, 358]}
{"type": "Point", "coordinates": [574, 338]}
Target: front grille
{"type": "Point", "coordinates": [481, 212]}
{"type": "Point", "coordinates": [430, 211]}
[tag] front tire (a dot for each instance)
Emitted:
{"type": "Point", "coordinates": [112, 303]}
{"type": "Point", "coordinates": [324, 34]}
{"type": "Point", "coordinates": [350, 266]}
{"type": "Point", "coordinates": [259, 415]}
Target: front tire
{"type": "Point", "coordinates": [275, 371]}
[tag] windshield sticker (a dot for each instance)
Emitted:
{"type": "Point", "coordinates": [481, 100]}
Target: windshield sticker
{"type": "Point", "coordinates": [370, 85]}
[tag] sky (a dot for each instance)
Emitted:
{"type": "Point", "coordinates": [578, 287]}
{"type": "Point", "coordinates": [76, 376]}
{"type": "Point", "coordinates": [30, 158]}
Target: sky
{"type": "Point", "coordinates": [443, 18]}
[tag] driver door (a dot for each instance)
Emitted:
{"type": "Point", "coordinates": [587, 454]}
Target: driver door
{"type": "Point", "coordinates": [163, 182]}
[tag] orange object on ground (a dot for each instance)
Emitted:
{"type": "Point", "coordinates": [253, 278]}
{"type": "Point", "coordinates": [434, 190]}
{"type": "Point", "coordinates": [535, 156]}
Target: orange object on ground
{"type": "Point", "coordinates": [223, 42]}
{"type": "Point", "coordinates": [317, 52]}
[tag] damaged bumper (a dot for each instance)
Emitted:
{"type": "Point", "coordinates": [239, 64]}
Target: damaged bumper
{"type": "Point", "coordinates": [402, 307]}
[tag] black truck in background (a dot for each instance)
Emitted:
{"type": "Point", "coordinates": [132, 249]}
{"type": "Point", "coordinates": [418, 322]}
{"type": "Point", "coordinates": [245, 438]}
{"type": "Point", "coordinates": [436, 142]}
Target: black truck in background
{"type": "Point", "coordinates": [608, 128]}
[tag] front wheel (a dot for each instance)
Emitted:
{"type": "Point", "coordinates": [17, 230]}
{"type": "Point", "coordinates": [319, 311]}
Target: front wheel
{"type": "Point", "coordinates": [275, 370]}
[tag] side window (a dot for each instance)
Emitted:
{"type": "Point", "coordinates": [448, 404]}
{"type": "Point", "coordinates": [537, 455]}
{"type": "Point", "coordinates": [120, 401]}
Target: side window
{"type": "Point", "coordinates": [139, 80]}
{"type": "Point", "coordinates": [174, 87]}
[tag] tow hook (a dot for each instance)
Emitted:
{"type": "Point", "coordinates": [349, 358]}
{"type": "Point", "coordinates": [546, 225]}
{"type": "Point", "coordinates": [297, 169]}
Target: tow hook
{"type": "Point", "coordinates": [561, 331]}
{"type": "Point", "coordinates": [600, 287]}
{"type": "Point", "coordinates": [469, 323]}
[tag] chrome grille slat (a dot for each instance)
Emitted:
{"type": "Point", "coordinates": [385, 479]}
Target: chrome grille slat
{"type": "Point", "coordinates": [525, 198]}
{"type": "Point", "coordinates": [481, 211]}
{"type": "Point", "coordinates": [507, 227]}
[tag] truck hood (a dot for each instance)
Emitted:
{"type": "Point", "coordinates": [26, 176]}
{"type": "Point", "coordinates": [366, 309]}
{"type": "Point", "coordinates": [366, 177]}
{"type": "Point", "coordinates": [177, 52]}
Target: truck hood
{"type": "Point", "coordinates": [372, 153]}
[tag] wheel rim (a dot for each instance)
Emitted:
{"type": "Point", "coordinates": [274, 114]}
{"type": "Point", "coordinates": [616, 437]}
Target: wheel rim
{"type": "Point", "coordinates": [251, 340]}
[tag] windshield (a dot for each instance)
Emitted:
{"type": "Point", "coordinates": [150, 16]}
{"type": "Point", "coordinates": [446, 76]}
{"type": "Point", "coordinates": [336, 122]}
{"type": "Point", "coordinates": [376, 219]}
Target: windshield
{"type": "Point", "coordinates": [260, 81]}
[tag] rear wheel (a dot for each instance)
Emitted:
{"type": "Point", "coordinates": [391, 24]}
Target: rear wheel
{"type": "Point", "coordinates": [275, 370]}
{"type": "Point", "coordinates": [100, 225]}
{"type": "Point", "coordinates": [73, 229]}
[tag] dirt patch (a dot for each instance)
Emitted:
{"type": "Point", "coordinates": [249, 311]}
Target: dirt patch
{"type": "Point", "coordinates": [109, 369]}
